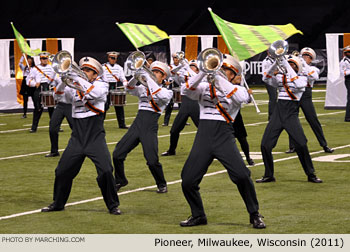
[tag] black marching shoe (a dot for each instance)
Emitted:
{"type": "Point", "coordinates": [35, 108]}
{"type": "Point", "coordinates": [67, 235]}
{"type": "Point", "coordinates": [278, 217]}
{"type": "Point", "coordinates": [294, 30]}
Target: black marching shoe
{"type": "Point", "coordinates": [265, 180]}
{"type": "Point", "coordinates": [51, 208]}
{"type": "Point", "coordinates": [250, 161]}
{"type": "Point", "coordinates": [327, 149]}
{"type": "Point", "coordinates": [256, 220]}
{"type": "Point", "coordinates": [314, 179]}
{"type": "Point", "coordinates": [32, 131]}
{"type": "Point", "coordinates": [169, 153]}
{"type": "Point", "coordinates": [52, 154]}
{"type": "Point", "coordinates": [291, 150]}
{"type": "Point", "coordinates": [123, 127]}
{"type": "Point", "coordinates": [194, 221]}
{"type": "Point", "coordinates": [115, 211]}
{"type": "Point", "coordinates": [24, 116]}
{"type": "Point", "coordinates": [163, 189]}
{"type": "Point", "coordinates": [120, 185]}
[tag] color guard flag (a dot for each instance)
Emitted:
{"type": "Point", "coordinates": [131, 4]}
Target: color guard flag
{"type": "Point", "coordinates": [245, 41]}
{"type": "Point", "coordinates": [23, 45]}
{"type": "Point", "coordinates": [141, 35]}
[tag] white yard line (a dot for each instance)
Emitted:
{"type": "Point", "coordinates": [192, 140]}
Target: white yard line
{"type": "Point", "coordinates": [154, 186]}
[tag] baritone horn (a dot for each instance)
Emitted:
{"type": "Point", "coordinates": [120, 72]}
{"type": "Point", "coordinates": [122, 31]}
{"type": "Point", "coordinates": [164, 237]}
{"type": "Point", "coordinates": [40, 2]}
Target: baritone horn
{"type": "Point", "coordinates": [63, 64]}
{"type": "Point", "coordinates": [210, 61]}
{"type": "Point", "coordinates": [136, 62]}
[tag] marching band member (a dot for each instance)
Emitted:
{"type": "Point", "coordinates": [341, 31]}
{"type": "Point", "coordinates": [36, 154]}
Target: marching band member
{"type": "Point", "coordinates": [87, 139]}
{"type": "Point", "coordinates": [63, 110]}
{"type": "Point", "coordinates": [189, 108]}
{"type": "Point", "coordinates": [114, 75]}
{"type": "Point", "coordinates": [152, 101]}
{"type": "Point", "coordinates": [306, 104]}
{"type": "Point", "coordinates": [41, 77]}
{"type": "Point", "coordinates": [219, 105]}
{"type": "Point", "coordinates": [345, 70]}
{"type": "Point", "coordinates": [240, 131]}
{"type": "Point", "coordinates": [285, 116]}
{"type": "Point", "coordinates": [271, 90]}
{"type": "Point", "coordinates": [26, 91]}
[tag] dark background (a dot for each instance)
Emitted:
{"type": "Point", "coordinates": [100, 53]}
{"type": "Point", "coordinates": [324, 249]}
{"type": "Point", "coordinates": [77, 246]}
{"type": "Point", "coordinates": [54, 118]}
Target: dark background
{"type": "Point", "coordinates": [92, 23]}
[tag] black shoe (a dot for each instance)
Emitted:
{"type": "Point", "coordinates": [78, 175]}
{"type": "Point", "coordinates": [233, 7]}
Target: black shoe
{"type": "Point", "coordinates": [250, 161]}
{"type": "Point", "coordinates": [24, 116]}
{"type": "Point", "coordinates": [347, 120]}
{"type": "Point", "coordinates": [123, 127]}
{"type": "Point", "coordinates": [55, 154]}
{"type": "Point", "coordinates": [327, 149]}
{"type": "Point", "coordinates": [51, 208]}
{"type": "Point", "coordinates": [256, 220]}
{"type": "Point", "coordinates": [265, 180]}
{"type": "Point", "coordinates": [165, 124]}
{"type": "Point", "coordinates": [194, 221]}
{"type": "Point", "coordinates": [168, 153]}
{"type": "Point", "coordinates": [187, 124]}
{"type": "Point", "coordinates": [61, 130]}
{"type": "Point", "coordinates": [120, 185]}
{"type": "Point", "coordinates": [291, 150]}
{"type": "Point", "coordinates": [115, 211]}
{"type": "Point", "coordinates": [163, 189]}
{"type": "Point", "coordinates": [32, 131]}
{"type": "Point", "coordinates": [314, 179]}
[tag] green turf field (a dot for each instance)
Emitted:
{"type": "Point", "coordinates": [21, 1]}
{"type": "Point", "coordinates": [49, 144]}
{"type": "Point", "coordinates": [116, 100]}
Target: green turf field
{"type": "Point", "coordinates": [291, 205]}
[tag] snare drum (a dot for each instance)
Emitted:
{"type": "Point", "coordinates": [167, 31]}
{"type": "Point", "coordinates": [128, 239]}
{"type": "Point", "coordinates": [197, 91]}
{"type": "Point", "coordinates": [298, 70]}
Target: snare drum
{"type": "Point", "coordinates": [117, 97]}
{"type": "Point", "coordinates": [176, 95]}
{"type": "Point", "coordinates": [47, 99]}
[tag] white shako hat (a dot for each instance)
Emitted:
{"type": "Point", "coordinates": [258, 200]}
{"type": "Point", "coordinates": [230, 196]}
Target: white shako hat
{"type": "Point", "coordinates": [160, 66]}
{"type": "Point", "coordinates": [308, 51]}
{"type": "Point", "coordinates": [232, 63]}
{"type": "Point", "coordinates": [113, 53]}
{"type": "Point", "coordinates": [92, 64]}
{"type": "Point", "coordinates": [44, 54]}
{"type": "Point", "coordinates": [296, 60]}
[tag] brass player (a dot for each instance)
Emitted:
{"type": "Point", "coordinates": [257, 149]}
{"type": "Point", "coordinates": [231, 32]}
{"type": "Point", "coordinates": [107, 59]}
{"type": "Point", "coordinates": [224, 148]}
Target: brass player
{"type": "Point", "coordinates": [311, 72]}
{"type": "Point", "coordinates": [152, 101]}
{"type": "Point", "coordinates": [87, 139]}
{"type": "Point", "coordinates": [291, 85]}
{"type": "Point", "coordinates": [219, 101]}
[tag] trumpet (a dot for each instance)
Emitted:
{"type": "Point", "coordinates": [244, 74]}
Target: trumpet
{"type": "Point", "coordinates": [136, 62]}
{"type": "Point", "coordinates": [277, 51]}
{"type": "Point", "coordinates": [63, 65]}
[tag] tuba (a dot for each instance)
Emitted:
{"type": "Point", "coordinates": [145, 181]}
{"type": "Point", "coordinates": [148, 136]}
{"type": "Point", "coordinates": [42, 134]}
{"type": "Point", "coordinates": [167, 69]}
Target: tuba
{"type": "Point", "coordinates": [277, 50]}
{"type": "Point", "coordinates": [63, 64]}
{"type": "Point", "coordinates": [136, 62]}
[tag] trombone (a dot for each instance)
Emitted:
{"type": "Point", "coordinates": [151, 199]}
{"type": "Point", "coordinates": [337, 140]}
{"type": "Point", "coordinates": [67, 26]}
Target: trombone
{"type": "Point", "coordinates": [63, 65]}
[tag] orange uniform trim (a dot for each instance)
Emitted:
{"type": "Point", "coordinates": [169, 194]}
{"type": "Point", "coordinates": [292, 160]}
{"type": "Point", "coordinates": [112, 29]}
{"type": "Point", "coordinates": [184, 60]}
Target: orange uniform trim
{"type": "Point", "coordinates": [109, 70]}
{"type": "Point", "coordinates": [157, 91]}
{"type": "Point", "coordinates": [232, 93]}
{"type": "Point", "coordinates": [89, 90]}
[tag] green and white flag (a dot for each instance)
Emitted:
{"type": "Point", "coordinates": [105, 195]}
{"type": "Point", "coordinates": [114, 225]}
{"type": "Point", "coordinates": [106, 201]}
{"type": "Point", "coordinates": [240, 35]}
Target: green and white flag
{"type": "Point", "coordinates": [23, 45]}
{"type": "Point", "coordinates": [245, 41]}
{"type": "Point", "coordinates": [141, 35]}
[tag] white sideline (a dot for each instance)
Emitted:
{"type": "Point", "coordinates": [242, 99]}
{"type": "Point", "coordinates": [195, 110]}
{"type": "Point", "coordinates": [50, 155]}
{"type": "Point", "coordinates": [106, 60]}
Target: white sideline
{"type": "Point", "coordinates": [154, 186]}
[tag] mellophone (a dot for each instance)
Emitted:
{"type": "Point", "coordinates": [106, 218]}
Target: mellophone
{"type": "Point", "coordinates": [117, 97]}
